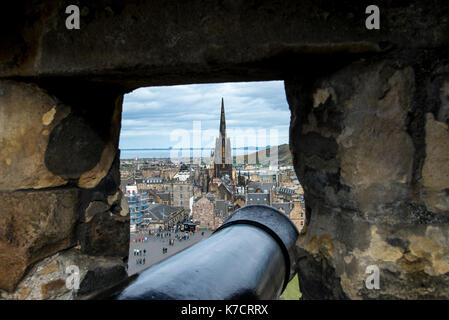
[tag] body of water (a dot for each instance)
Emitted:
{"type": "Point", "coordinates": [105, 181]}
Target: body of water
{"type": "Point", "coordinates": [176, 153]}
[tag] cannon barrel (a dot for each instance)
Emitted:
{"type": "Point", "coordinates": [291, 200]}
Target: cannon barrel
{"type": "Point", "coordinates": [251, 256]}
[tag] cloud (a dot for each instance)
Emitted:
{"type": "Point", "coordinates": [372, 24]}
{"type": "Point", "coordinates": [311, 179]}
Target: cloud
{"type": "Point", "coordinates": [152, 114]}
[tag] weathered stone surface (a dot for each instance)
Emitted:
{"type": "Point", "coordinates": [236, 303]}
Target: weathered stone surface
{"type": "Point", "coordinates": [91, 178]}
{"type": "Point", "coordinates": [124, 208]}
{"type": "Point", "coordinates": [106, 234]}
{"type": "Point", "coordinates": [113, 199]}
{"type": "Point", "coordinates": [74, 147]}
{"type": "Point", "coordinates": [105, 229]}
{"type": "Point", "coordinates": [45, 144]}
{"type": "Point", "coordinates": [361, 205]}
{"type": "Point", "coordinates": [375, 149]}
{"type": "Point", "coordinates": [94, 208]}
{"type": "Point", "coordinates": [435, 172]}
{"type": "Point", "coordinates": [84, 145]}
{"type": "Point", "coordinates": [27, 116]}
{"type": "Point", "coordinates": [47, 278]}
{"type": "Point", "coordinates": [152, 43]}
{"type": "Point", "coordinates": [34, 225]}
{"type": "Point", "coordinates": [53, 288]}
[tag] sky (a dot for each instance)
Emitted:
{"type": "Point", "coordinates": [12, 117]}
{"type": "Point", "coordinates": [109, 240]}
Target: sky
{"type": "Point", "coordinates": [257, 113]}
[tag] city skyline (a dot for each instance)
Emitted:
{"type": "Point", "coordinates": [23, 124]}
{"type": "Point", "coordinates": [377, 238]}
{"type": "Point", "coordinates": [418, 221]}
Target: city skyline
{"type": "Point", "coordinates": [153, 115]}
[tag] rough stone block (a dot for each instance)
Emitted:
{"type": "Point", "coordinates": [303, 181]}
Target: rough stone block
{"type": "Point", "coordinates": [27, 116]}
{"type": "Point", "coordinates": [47, 278]}
{"type": "Point", "coordinates": [106, 234]}
{"type": "Point", "coordinates": [435, 172]}
{"type": "Point", "coordinates": [33, 225]}
{"type": "Point", "coordinates": [363, 200]}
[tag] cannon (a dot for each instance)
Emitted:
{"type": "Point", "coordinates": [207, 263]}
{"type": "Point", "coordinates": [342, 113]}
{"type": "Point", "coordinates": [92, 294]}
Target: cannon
{"type": "Point", "coordinates": [250, 256]}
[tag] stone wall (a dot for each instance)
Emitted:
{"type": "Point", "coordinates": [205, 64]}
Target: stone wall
{"type": "Point", "coordinates": [203, 213]}
{"type": "Point", "coordinates": [369, 148]}
{"type": "Point", "coordinates": [59, 191]}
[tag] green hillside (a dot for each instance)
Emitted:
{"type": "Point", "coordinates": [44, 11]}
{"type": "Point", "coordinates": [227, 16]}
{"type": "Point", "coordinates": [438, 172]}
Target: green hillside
{"type": "Point", "coordinates": [284, 156]}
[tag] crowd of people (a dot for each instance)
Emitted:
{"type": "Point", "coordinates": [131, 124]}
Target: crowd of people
{"type": "Point", "coordinates": [164, 235]}
{"type": "Point", "coordinates": [140, 239]}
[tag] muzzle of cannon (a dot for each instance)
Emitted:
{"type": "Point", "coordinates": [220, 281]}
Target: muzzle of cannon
{"type": "Point", "coordinates": [251, 256]}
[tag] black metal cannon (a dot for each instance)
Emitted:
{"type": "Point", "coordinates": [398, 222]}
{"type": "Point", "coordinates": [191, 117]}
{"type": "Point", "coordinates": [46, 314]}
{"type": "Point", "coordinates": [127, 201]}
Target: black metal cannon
{"type": "Point", "coordinates": [251, 256]}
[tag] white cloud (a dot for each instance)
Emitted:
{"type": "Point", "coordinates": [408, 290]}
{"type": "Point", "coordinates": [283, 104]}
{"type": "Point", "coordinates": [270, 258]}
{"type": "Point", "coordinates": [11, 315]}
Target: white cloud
{"type": "Point", "coordinates": [151, 114]}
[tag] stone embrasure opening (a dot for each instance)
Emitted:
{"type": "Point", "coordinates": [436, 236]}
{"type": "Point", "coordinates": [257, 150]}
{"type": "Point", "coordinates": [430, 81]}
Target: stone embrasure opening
{"type": "Point", "coordinates": [196, 163]}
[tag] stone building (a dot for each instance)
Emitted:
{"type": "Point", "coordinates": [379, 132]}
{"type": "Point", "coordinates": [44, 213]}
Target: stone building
{"type": "Point", "coordinates": [239, 202]}
{"type": "Point", "coordinates": [165, 216]}
{"type": "Point", "coordinates": [209, 213]}
{"type": "Point", "coordinates": [154, 182]}
{"type": "Point", "coordinates": [156, 196]}
{"type": "Point", "coordinates": [294, 210]}
{"type": "Point", "coordinates": [285, 194]}
{"type": "Point", "coordinates": [223, 151]}
{"type": "Point", "coordinates": [297, 214]}
{"type": "Point", "coordinates": [221, 212]}
{"type": "Point", "coordinates": [213, 185]}
{"type": "Point", "coordinates": [264, 187]}
{"type": "Point", "coordinates": [181, 194]}
{"type": "Point", "coordinates": [225, 191]}
{"type": "Point", "coordinates": [203, 212]}
{"type": "Point", "coordinates": [202, 179]}
{"type": "Point", "coordinates": [241, 180]}
{"type": "Point", "coordinates": [258, 198]}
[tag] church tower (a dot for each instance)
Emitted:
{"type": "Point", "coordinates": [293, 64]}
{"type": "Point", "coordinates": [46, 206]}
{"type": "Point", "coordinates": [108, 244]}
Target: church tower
{"type": "Point", "coordinates": [222, 154]}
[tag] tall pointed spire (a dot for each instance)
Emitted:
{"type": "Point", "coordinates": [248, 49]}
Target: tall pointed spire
{"type": "Point", "coordinates": [223, 153]}
{"type": "Point", "coordinates": [222, 120]}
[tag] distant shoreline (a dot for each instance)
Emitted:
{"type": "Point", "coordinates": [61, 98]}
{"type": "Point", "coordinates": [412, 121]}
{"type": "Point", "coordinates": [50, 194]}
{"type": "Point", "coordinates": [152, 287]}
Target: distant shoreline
{"type": "Point", "coordinates": [170, 148]}
{"type": "Point", "coordinates": [204, 154]}
{"type": "Point", "coordinates": [180, 153]}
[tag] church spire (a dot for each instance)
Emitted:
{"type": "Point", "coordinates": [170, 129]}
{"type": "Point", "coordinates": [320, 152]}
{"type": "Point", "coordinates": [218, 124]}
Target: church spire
{"type": "Point", "coordinates": [222, 120]}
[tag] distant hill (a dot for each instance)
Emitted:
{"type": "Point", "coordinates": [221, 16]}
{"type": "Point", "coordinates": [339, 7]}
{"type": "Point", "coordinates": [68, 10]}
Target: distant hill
{"type": "Point", "coordinates": [284, 156]}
